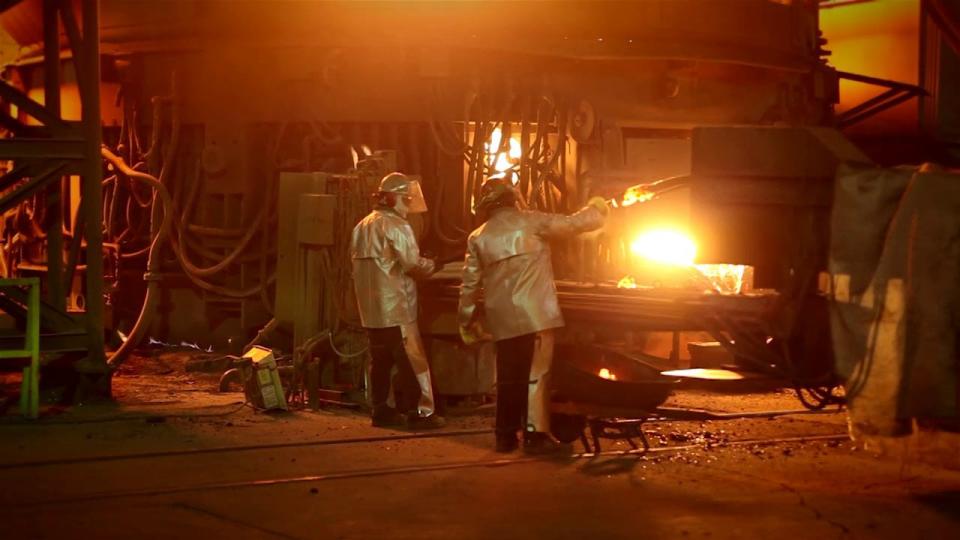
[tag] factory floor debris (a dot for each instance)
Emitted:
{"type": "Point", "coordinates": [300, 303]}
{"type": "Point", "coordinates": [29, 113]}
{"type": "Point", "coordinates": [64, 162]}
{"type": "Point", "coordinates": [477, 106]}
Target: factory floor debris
{"type": "Point", "coordinates": [172, 458]}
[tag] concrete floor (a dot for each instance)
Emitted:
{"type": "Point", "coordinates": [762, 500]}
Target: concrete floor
{"type": "Point", "coordinates": [823, 489]}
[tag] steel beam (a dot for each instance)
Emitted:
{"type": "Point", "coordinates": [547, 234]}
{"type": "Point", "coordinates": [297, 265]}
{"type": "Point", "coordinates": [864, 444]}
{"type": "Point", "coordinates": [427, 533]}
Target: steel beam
{"type": "Point", "coordinates": [54, 210]}
{"type": "Point", "coordinates": [87, 58]}
{"type": "Point", "coordinates": [876, 81]}
{"type": "Point", "coordinates": [14, 302]}
{"type": "Point", "coordinates": [30, 148]}
{"type": "Point", "coordinates": [11, 177]}
{"type": "Point", "coordinates": [74, 36]}
{"type": "Point", "coordinates": [52, 172]}
{"type": "Point", "coordinates": [18, 128]}
{"type": "Point", "coordinates": [44, 154]}
{"type": "Point", "coordinates": [32, 108]}
{"type": "Point", "coordinates": [51, 342]}
{"type": "Point", "coordinates": [876, 108]}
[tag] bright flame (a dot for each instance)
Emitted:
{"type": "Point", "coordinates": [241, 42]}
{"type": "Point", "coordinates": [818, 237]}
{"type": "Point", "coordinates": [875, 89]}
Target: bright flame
{"type": "Point", "coordinates": [665, 246]}
{"type": "Point", "coordinates": [502, 161]}
{"type": "Point", "coordinates": [636, 194]}
{"type": "Point", "coordinates": [607, 374]}
{"type": "Point", "coordinates": [725, 277]}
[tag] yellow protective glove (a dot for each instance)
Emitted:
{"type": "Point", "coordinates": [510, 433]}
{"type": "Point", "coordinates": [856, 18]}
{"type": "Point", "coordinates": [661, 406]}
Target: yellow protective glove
{"type": "Point", "coordinates": [600, 204]}
{"type": "Point", "coordinates": [469, 336]}
{"type": "Point", "coordinates": [473, 334]}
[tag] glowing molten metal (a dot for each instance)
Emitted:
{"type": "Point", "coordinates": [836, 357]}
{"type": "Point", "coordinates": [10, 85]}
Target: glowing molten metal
{"type": "Point", "coordinates": [675, 251]}
{"type": "Point", "coordinates": [636, 194]}
{"type": "Point", "coordinates": [724, 277]}
{"type": "Point", "coordinates": [605, 373]}
{"type": "Point", "coordinates": [666, 247]}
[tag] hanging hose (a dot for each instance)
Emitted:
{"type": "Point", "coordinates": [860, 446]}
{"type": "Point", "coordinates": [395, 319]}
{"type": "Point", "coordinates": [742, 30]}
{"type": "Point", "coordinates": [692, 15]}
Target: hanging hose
{"type": "Point", "coordinates": [344, 355]}
{"type": "Point", "coordinates": [193, 272]}
{"type": "Point", "coordinates": [148, 309]}
{"type": "Point", "coordinates": [271, 325]}
{"type": "Point", "coordinates": [191, 268]}
{"type": "Point", "coordinates": [159, 232]}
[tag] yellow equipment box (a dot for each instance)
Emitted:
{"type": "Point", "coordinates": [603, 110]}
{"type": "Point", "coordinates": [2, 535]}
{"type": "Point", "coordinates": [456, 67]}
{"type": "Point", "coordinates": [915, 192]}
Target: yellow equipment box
{"type": "Point", "coordinates": [264, 389]}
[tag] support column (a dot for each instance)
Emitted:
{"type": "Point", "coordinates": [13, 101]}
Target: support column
{"type": "Point", "coordinates": [87, 60]}
{"type": "Point", "coordinates": [56, 294]}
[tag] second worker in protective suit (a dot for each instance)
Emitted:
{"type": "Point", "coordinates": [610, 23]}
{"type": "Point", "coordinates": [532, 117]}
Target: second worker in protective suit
{"type": "Point", "coordinates": [508, 258]}
{"type": "Point", "coordinates": [386, 260]}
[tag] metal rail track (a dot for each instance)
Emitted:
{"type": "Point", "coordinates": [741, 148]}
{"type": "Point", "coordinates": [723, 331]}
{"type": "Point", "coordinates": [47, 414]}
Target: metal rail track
{"type": "Point", "coordinates": [412, 469]}
{"type": "Point", "coordinates": [246, 448]}
{"type": "Point", "coordinates": [676, 414]}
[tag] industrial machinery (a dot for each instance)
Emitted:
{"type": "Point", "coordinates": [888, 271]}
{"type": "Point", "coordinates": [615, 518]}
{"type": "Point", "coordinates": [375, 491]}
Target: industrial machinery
{"type": "Point", "coordinates": [241, 139]}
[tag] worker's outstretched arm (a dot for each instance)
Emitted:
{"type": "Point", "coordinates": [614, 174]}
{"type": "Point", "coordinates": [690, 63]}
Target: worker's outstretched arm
{"type": "Point", "coordinates": [588, 218]}
{"type": "Point", "coordinates": [405, 245]}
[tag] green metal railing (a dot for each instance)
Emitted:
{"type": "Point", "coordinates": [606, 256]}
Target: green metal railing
{"type": "Point", "coordinates": [30, 385]}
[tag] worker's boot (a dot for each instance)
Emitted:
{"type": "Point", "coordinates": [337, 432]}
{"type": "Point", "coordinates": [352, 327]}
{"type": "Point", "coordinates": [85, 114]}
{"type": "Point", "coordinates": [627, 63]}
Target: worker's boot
{"type": "Point", "coordinates": [535, 442]}
{"type": "Point", "coordinates": [387, 417]}
{"type": "Point", "coordinates": [434, 421]}
{"type": "Point", "coordinates": [507, 442]}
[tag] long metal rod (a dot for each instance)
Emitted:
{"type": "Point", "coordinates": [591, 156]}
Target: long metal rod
{"type": "Point", "coordinates": [879, 98]}
{"type": "Point", "coordinates": [829, 4]}
{"type": "Point", "coordinates": [877, 109]}
{"type": "Point", "coordinates": [88, 80]}
{"type": "Point", "coordinates": [389, 471]}
{"type": "Point", "coordinates": [54, 209]}
{"type": "Point", "coordinates": [876, 81]}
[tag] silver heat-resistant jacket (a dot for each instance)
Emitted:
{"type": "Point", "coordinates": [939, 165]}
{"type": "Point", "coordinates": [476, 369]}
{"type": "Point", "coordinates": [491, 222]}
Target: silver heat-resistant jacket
{"type": "Point", "coordinates": [386, 258]}
{"type": "Point", "coordinates": [508, 257]}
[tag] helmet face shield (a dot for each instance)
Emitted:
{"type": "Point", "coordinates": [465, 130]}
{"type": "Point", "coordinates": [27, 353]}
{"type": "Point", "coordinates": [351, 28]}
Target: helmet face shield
{"type": "Point", "coordinates": [416, 203]}
{"type": "Point", "coordinates": [409, 195]}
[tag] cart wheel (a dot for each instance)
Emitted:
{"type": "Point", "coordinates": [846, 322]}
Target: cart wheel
{"type": "Point", "coordinates": [567, 428]}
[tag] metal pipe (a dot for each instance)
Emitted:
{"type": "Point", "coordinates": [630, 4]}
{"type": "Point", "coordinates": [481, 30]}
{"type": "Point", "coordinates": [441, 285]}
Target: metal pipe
{"type": "Point", "coordinates": [162, 230]}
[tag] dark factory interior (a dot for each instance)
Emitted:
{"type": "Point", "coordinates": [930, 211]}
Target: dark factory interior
{"type": "Point", "coordinates": [479, 269]}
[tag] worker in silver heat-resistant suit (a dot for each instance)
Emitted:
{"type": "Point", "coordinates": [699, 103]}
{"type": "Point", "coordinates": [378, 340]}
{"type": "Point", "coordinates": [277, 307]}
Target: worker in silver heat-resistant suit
{"type": "Point", "coordinates": [508, 258]}
{"type": "Point", "coordinates": [386, 260]}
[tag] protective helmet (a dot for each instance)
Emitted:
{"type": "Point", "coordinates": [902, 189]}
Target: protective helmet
{"type": "Point", "coordinates": [402, 193]}
{"type": "Point", "coordinates": [496, 191]}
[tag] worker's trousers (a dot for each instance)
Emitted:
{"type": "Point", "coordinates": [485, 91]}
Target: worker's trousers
{"type": "Point", "coordinates": [523, 383]}
{"type": "Point", "coordinates": [400, 347]}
